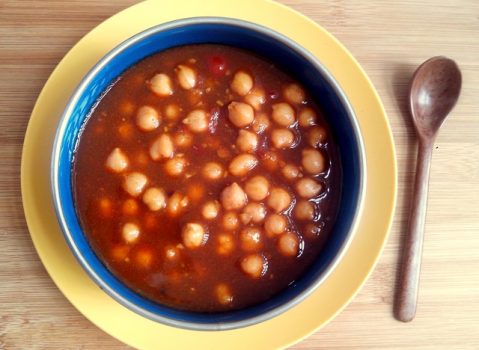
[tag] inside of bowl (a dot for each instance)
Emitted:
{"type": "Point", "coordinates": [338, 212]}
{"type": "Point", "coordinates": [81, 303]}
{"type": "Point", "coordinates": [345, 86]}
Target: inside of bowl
{"type": "Point", "coordinates": [309, 73]}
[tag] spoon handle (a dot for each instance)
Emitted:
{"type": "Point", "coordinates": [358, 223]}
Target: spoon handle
{"type": "Point", "coordinates": [406, 297]}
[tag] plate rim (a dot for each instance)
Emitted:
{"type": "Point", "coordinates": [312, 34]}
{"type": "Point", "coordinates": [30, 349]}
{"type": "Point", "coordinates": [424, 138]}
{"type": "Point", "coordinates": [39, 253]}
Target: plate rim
{"type": "Point", "coordinates": [24, 176]}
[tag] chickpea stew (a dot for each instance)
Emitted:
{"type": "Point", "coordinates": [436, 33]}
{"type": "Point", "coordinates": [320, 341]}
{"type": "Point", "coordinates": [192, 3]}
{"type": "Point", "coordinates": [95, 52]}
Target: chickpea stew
{"type": "Point", "coordinates": [206, 178]}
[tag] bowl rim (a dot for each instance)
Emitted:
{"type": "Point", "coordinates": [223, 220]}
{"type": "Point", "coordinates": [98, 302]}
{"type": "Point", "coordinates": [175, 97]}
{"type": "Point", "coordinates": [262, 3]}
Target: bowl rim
{"type": "Point", "coordinates": [59, 136]}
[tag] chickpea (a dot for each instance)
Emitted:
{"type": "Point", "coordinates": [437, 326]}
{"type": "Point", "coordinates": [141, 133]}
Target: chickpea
{"type": "Point", "coordinates": [275, 224]}
{"type": "Point", "coordinates": [308, 188]}
{"type": "Point", "coordinates": [257, 188]}
{"type": "Point", "coordinates": [161, 85]}
{"type": "Point", "coordinates": [134, 183]}
{"type": "Point", "coordinates": [120, 252]}
{"type": "Point", "coordinates": [290, 171]}
{"type": "Point", "coordinates": [313, 161]}
{"type": "Point", "coordinates": [288, 244]}
{"type": "Point", "coordinates": [162, 147]}
{"type": "Point", "coordinates": [242, 83]}
{"type": "Point", "coordinates": [270, 160]}
{"type": "Point", "coordinates": [126, 108]}
{"type": "Point", "coordinates": [117, 161]}
{"type": "Point", "coordinates": [210, 210]}
{"type": "Point", "coordinates": [130, 232]}
{"type": "Point", "coordinates": [175, 166]}
{"type": "Point", "coordinates": [230, 221]}
{"type": "Point", "coordinates": [279, 199]}
{"type": "Point", "coordinates": [256, 98]}
{"type": "Point", "coordinates": [304, 210]}
{"type": "Point", "coordinates": [317, 136]}
{"type": "Point", "coordinates": [197, 121]}
{"type": "Point", "coordinates": [242, 164]}
{"type": "Point", "coordinates": [307, 117]}
{"type": "Point", "coordinates": [255, 212]}
{"type": "Point", "coordinates": [186, 76]}
{"type": "Point", "coordinates": [223, 294]}
{"type": "Point", "coordinates": [195, 192]}
{"type": "Point", "coordinates": [126, 131]}
{"type": "Point", "coordinates": [245, 218]}
{"type": "Point", "coordinates": [247, 141]}
{"type": "Point", "coordinates": [254, 265]}
{"type": "Point", "coordinates": [250, 238]}
{"type": "Point", "coordinates": [172, 111]}
{"type": "Point", "coordinates": [147, 118]}
{"type": "Point", "coordinates": [176, 203]}
{"type": "Point", "coordinates": [294, 93]}
{"type": "Point", "coordinates": [105, 207]}
{"type": "Point", "coordinates": [283, 114]}
{"type": "Point", "coordinates": [183, 139]}
{"type": "Point", "coordinates": [260, 123]}
{"type": "Point", "coordinates": [282, 138]}
{"type": "Point", "coordinates": [154, 198]}
{"type": "Point", "coordinates": [193, 235]}
{"type": "Point", "coordinates": [212, 171]}
{"type": "Point", "coordinates": [233, 197]}
{"type": "Point", "coordinates": [130, 207]}
{"type": "Point", "coordinates": [144, 258]}
{"type": "Point", "coordinates": [240, 114]}
{"type": "Point", "coordinates": [226, 244]}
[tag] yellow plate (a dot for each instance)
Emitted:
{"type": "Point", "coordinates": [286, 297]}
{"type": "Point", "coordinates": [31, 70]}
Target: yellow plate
{"type": "Point", "coordinates": [140, 332]}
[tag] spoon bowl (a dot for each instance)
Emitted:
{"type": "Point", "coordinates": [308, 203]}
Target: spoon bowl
{"type": "Point", "coordinates": [435, 88]}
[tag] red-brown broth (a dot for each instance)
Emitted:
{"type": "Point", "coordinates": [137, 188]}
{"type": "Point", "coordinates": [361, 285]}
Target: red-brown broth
{"type": "Point", "coordinates": [190, 281]}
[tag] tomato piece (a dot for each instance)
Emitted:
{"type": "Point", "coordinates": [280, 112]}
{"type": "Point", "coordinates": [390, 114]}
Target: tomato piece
{"type": "Point", "coordinates": [217, 65]}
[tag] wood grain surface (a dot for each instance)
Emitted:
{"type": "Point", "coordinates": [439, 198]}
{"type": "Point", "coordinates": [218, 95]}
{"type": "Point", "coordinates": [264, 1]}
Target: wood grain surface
{"type": "Point", "coordinates": [389, 39]}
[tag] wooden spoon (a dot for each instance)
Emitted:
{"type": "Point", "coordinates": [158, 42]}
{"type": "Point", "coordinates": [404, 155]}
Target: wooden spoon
{"type": "Point", "coordinates": [434, 91]}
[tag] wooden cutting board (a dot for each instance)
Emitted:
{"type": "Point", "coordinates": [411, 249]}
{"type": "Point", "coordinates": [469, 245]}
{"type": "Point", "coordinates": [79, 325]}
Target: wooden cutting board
{"type": "Point", "coordinates": [389, 39]}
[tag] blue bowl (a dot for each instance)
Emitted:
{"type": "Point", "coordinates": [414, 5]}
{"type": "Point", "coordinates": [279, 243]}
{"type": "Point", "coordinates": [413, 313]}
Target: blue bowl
{"type": "Point", "coordinates": [289, 56]}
